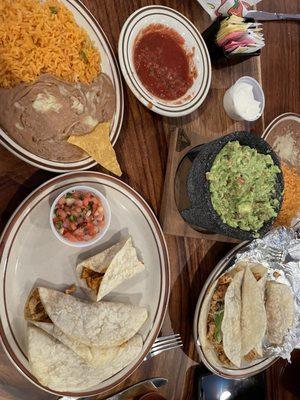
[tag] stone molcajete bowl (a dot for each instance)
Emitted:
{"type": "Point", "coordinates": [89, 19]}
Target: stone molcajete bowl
{"type": "Point", "coordinates": [201, 213]}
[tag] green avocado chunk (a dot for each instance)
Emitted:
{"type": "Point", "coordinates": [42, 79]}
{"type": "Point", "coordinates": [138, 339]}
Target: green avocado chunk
{"type": "Point", "coordinates": [242, 186]}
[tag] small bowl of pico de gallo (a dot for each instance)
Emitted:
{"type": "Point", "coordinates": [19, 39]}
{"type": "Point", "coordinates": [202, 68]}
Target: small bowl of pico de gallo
{"type": "Point", "coordinates": [80, 216]}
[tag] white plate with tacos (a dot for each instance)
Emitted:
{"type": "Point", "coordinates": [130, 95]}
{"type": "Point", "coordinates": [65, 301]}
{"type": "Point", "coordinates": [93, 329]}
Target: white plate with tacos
{"type": "Point", "coordinates": [76, 322]}
{"type": "Point", "coordinates": [239, 310]}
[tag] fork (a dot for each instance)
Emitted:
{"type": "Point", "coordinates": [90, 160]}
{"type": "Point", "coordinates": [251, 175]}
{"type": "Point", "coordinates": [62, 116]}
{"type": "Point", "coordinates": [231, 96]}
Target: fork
{"type": "Point", "coordinates": [164, 343]}
{"type": "Point", "coordinates": [279, 255]}
{"type": "Point", "coordinates": [275, 254]}
{"type": "Point", "coordinates": [296, 226]}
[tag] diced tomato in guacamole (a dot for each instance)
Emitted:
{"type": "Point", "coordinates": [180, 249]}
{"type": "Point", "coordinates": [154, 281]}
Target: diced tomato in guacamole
{"type": "Point", "coordinates": [79, 216]}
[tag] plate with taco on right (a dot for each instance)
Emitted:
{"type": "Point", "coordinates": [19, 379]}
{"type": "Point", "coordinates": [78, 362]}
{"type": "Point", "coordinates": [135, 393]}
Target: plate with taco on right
{"type": "Point", "coordinates": [247, 314]}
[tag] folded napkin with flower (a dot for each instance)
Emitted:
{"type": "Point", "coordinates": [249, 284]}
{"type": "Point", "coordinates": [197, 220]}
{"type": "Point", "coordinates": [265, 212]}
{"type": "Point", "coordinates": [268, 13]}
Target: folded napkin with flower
{"type": "Point", "coordinates": [231, 34]}
{"type": "Point", "coordinates": [219, 8]}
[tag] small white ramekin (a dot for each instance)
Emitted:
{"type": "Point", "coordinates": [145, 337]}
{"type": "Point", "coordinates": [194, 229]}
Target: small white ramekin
{"type": "Point", "coordinates": [107, 217]}
{"type": "Point", "coordinates": [229, 104]}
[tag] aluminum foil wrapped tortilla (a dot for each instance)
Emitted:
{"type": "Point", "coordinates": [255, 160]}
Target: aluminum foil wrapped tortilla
{"type": "Point", "coordinates": [103, 272]}
{"type": "Point", "coordinates": [74, 344]}
{"type": "Point", "coordinates": [252, 311]}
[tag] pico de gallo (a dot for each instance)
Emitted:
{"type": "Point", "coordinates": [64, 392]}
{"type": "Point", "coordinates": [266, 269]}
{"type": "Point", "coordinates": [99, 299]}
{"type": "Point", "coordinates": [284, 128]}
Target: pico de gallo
{"type": "Point", "coordinates": [79, 216]}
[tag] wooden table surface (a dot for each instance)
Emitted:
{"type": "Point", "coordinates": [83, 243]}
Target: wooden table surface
{"type": "Point", "coordinates": [146, 135]}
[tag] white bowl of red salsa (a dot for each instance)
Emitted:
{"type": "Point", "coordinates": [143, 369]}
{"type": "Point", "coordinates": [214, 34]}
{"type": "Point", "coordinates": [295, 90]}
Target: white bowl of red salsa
{"type": "Point", "coordinates": [80, 216]}
{"type": "Point", "coordinates": [164, 60]}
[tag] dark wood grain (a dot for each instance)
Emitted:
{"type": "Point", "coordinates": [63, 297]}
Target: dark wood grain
{"type": "Point", "coordinates": [142, 149]}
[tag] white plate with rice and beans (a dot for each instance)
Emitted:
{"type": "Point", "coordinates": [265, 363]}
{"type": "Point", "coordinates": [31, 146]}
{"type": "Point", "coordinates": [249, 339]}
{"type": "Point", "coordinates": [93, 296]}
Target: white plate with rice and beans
{"type": "Point", "coordinates": [58, 77]}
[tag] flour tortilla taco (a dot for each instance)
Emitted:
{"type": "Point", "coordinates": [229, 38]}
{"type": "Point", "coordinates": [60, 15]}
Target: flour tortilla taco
{"type": "Point", "coordinates": [104, 324]}
{"type": "Point", "coordinates": [253, 313]}
{"type": "Point", "coordinates": [103, 272]}
{"type": "Point", "coordinates": [93, 356]}
{"type": "Point", "coordinates": [280, 311]}
{"type": "Point", "coordinates": [226, 319]}
{"type": "Point", "coordinates": [214, 330]}
{"type": "Point", "coordinates": [59, 368]}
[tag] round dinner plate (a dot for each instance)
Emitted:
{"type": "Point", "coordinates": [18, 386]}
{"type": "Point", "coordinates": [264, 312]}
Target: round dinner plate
{"type": "Point", "coordinates": [109, 65]}
{"type": "Point", "coordinates": [283, 134]}
{"type": "Point", "coordinates": [231, 373]}
{"type": "Point", "coordinates": [193, 43]}
{"type": "Point", "coordinates": [31, 255]}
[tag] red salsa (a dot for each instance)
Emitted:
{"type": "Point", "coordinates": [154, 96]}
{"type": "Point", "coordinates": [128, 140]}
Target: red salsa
{"type": "Point", "coordinates": [161, 62]}
{"type": "Point", "coordinates": [78, 216]}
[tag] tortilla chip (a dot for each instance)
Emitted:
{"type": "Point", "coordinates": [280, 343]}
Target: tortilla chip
{"type": "Point", "coordinates": [97, 145]}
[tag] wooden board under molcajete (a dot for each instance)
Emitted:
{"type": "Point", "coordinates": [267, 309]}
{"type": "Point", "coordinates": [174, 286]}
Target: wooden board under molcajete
{"type": "Point", "coordinates": [207, 123]}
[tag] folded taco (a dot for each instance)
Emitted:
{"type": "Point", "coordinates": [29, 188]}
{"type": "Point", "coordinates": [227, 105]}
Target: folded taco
{"type": "Point", "coordinates": [94, 356]}
{"type": "Point", "coordinates": [105, 324]}
{"type": "Point", "coordinates": [280, 311]}
{"type": "Point", "coordinates": [219, 322]}
{"type": "Point", "coordinates": [253, 313]}
{"type": "Point", "coordinates": [103, 272]}
{"type": "Point", "coordinates": [232, 320]}
{"type": "Point", "coordinates": [59, 368]}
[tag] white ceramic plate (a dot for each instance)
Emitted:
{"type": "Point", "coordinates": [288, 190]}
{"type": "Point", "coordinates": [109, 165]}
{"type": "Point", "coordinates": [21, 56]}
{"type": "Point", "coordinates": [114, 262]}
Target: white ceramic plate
{"type": "Point", "coordinates": [31, 255]}
{"type": "Point", "coordinates": [231, 373]}
{"type": "Point", "coordinates": [109, 66]}
{"type": "Point", "coordinates": [193, 41]}
{"type": "Point", "coordinates": [284, 133]}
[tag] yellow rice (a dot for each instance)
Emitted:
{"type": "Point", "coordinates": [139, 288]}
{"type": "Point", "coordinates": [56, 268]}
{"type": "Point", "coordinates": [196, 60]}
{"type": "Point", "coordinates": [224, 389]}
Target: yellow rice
{"type": "Point", "coordinates": [40, 38]}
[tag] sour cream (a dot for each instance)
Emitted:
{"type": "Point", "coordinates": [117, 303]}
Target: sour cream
{"type": "Point", "coordinates": [244, 100]}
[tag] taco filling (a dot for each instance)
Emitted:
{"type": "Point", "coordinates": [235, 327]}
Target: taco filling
{"type": "Point", "coordinates": [34, 309]}
{"type": "Point", "coordinates": [215, 317]}
{"type": "Point", "coordinates": [92, 278]}
{"type": "Point", "coordinates": [103, 272]}
{"type": "Point", "coordinates": [252, 355]}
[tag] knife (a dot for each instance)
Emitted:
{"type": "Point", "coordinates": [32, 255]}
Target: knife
{"type": "Point", "coordinates": [267, 16]}
{"type": "Point", "coordinates": [138, 389]}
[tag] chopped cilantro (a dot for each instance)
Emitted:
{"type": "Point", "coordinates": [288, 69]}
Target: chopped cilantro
{"type": "Point", "coordinates": [53, 10]}
{"type": "Point", "coordinates": [83, 56]}
{"type": "Point", "coordinates": [59, 225]}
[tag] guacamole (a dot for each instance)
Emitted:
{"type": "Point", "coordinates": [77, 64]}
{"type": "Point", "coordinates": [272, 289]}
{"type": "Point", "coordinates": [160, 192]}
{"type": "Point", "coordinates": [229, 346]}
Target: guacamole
{"type": "Point", "coordinates": [242, 186]}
